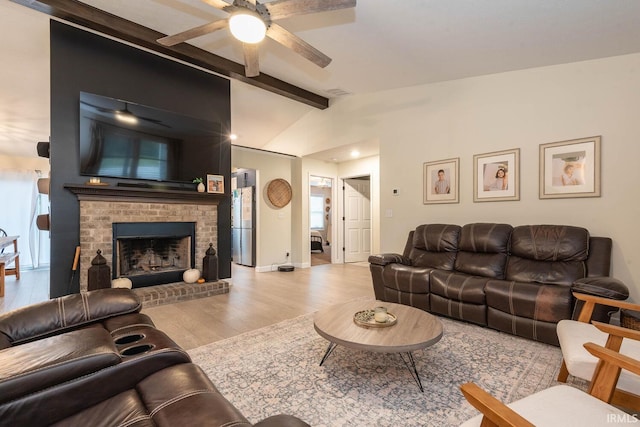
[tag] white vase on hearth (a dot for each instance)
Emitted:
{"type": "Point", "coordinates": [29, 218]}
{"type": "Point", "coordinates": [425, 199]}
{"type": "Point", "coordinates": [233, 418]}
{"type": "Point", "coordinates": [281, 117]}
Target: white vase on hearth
{"type": "Point", "coordinates": [200, 187]}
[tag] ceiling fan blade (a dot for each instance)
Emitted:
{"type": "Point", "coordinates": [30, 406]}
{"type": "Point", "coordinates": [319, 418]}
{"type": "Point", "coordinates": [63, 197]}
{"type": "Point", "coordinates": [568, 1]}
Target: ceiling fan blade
{"type": "Point", "coordinates": [193, 33]}
{"type": "Point", "coordinates": [251, 67]}
{"type": "Point", "coordinates": [218, 4]}
{"type": "Point", "coordinates": [280, 9]}
{"type": "Point", "coordinates": [295, 43]}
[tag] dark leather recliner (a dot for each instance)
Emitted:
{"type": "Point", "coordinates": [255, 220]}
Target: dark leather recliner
{"type": "Point", "coordinates": [515, 279]}
{"type": "Point", "coordinates": [93, 359]}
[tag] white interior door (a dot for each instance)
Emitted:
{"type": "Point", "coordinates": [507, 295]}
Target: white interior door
{"type": "Point", "coordinates": [357, 219]}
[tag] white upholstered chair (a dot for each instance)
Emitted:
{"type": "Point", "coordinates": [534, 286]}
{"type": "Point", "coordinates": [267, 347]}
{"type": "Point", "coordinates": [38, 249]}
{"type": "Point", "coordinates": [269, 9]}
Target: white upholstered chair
{"type": "Point", "coordinates": [578, 362]}
{"type": "Point", "coordinates": [561, 405]}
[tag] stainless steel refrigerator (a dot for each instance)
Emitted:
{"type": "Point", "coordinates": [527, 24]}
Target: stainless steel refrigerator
{"type": "Point", "coordinates": [243, 231]}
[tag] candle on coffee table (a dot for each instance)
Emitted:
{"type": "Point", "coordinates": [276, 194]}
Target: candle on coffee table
{"type": "Point", "coordinates": [380, 314]}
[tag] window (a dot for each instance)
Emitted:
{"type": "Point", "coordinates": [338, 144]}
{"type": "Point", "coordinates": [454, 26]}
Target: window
{"type": "Point", "coordinates": [19, 186]}
{"type": "Point", "coordinates": [316, 206]}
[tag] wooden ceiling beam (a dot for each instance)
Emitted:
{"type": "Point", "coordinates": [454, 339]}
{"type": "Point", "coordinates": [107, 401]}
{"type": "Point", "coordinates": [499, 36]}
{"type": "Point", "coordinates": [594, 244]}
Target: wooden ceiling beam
{"type": "Point", "coordinates": [98, 20]}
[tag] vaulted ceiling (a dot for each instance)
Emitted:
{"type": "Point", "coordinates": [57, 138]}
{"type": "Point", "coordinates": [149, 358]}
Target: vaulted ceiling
{"type": "Point", "coordinates": [378, 45]}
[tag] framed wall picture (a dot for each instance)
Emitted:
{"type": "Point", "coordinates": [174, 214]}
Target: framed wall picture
{"type": "Point", "coordinates": [496, 176]}
{"type": "Point", "coordinates": [441, 181]}
{"type": "Point", "coordinates": [215, 184]}
{"type": "Point", "coordinates": [570, 168]}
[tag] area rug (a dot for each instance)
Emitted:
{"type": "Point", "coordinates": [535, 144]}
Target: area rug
{"type": "Point", "coordinates": [276, 370]}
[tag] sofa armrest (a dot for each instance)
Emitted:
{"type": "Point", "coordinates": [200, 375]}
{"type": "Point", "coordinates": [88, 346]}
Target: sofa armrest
{"type": "Point", "coordinates": [34, 366]}
{"type": "Point", "coordinates": [605, 287]}
{"type": "Point", "coordinates": [66, 313]}
{"type": "Point", "coordinates": [384, 259]}
{"type": "Point", "coordinates": [588, 303]}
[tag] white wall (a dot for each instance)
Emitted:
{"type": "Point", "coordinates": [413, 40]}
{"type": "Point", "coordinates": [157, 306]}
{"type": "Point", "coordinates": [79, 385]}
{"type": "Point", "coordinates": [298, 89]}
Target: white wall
{"type": "Point", "coordinates": [273, 228]}
{"type": "Point", "coordinates": [520, 109]}
{"type": "Point", "coordinates": [25, 163]}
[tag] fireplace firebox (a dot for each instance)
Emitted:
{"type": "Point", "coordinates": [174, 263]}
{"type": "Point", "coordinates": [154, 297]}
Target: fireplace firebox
{"type": "Point", "coordinates": [153, 253]}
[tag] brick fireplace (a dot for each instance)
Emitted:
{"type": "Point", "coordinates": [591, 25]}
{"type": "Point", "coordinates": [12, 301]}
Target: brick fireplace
{"type": "Point", "coordinates": [101, 207]}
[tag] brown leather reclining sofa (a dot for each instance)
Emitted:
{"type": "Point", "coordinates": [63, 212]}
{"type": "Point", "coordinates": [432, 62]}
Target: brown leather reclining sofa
{"type": "Point", "coordinates": [92, 359]}
{"type": "Point", "coordinates": [514, 279]}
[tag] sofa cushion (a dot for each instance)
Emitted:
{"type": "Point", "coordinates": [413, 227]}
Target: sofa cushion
{"type": "Point", "coordinates": [546, 303]}
{"type": "Point", "coordinates": [483, 249]}
{"type": "Point", "coordinates": [522, 326]}
{"type": "Point", "coordinates": [177, 395]}
{"type": "Point", "coordinates": [527, 270]}
{"type": "Point", "coordinates": [458, 287]}
{"type": "Point", "coordinates": [459, 296]}
{"type": "Point", "coordinates": [564, 405]}
{"type": "Point", "coordinates": [550, 243]}
{"type": "Point", "coordinates": [580, 363]}
{"type": "Point", "coordinates": [548, 254]}
{"type": "Point", "coordinates": [407, 279]}
{"type": "Point", "coordinates": [435, 246]}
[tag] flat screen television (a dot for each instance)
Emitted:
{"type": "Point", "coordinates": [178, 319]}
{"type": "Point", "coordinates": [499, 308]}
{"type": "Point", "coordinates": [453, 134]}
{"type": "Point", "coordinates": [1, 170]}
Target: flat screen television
{"type": "Point", "coordinates": [121, 139]}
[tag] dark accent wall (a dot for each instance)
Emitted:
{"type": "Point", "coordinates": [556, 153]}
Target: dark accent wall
{"type": "Point", "coordinates": [83, 61]}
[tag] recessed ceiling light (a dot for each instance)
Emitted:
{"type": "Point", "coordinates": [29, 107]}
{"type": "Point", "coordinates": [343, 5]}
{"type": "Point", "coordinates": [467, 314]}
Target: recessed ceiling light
{"type": "Point", "coordinates": [233, 137]}
{"type": "Point", "coordinates": [355, 153]}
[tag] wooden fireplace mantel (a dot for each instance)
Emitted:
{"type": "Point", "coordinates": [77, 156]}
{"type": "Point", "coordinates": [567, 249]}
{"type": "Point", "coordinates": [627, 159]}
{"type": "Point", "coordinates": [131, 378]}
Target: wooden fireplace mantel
{"type": "Point", "coordinates": [138, 194]}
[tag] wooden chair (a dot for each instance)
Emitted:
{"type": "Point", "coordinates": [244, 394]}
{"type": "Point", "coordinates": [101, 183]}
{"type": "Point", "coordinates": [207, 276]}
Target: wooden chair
{"type": "Point", "coordinates": [572, 334]}
{"type": "Point", "coordinates": [7, 258]}
{"type": "Point", "coordinates": [561, 404]}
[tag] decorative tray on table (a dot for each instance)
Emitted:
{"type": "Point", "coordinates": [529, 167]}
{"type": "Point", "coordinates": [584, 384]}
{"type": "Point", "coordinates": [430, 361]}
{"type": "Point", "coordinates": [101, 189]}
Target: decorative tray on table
{"type": "Point", "coordinates": [366, 319]}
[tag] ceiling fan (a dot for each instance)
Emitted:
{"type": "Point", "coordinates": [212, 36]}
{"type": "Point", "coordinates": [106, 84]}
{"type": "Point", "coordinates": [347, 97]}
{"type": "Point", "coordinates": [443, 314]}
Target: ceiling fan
{"type": "Point", "coordinates": [250, 21]}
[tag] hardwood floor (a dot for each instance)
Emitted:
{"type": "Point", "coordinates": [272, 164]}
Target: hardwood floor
{"type": "Point", "coordinates": [260, 299]}
{"type": "Point", "coordinates": [319, 258]}
{"type": "Point", "coordinates": [33, 287]}
{"type": "Point", "coordinates": [255, 300]}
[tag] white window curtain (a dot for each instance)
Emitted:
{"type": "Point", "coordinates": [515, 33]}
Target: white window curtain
{"type": "Point", "coordinates": [18, 215]}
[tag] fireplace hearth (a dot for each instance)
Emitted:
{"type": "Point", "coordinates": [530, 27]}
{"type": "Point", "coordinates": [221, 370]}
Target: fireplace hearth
{"type": "Point", "coordinates": [153, 253]}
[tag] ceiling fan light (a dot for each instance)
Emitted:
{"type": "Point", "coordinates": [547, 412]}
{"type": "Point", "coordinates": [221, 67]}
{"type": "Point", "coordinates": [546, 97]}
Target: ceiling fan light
{"type": "Point", "coordinates": [247, 27]}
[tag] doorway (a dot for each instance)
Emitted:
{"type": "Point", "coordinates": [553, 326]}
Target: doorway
{"type": "Point", "coordinates": [357, 219]}
{"type": "Point", "coordinates": [320, 212]}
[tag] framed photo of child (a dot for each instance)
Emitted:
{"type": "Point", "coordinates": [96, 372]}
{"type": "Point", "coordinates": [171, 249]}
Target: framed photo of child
{"type": "Point", "coordinates": [441, 181]}
{"type": "Point", "coordinates": [496, 176]}
{"type": "Point", "coordinates": [570, 168]}
{"type": "Point", "coordinates": [215, 184]}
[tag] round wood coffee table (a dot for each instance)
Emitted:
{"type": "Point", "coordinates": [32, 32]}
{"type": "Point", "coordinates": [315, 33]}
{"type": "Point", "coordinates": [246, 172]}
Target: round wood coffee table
{"type": "Point", "coordinates": [414, 330]}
